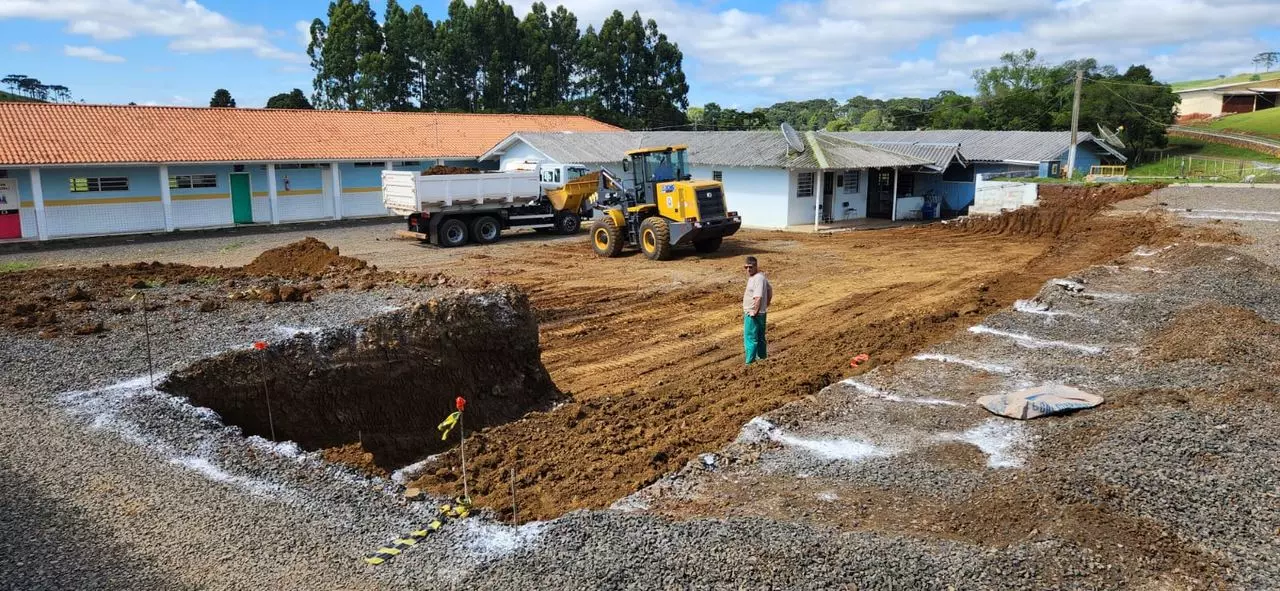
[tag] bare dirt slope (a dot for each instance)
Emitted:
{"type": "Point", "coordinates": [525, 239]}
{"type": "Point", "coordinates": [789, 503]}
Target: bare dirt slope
{"type": "Point", "coordinates": [651, 351]}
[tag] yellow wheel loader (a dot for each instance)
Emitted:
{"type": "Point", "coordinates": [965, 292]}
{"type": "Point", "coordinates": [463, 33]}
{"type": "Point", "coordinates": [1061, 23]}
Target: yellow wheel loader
{"type": "Point", "coordinates": [663, 209]}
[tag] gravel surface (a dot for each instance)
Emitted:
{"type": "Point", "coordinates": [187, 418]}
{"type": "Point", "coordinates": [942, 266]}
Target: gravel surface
{"type": "Point", "coordinates": [875, 484]}
{"type": "Point", "coordinates": [1253, 212]}
{"type": "Point", "coordinates": [1185, 451]}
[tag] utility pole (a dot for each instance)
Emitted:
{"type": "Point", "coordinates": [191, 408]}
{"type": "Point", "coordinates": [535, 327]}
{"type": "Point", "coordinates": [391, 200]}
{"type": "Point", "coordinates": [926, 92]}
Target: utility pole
{"type": "Point", "coordinates": [1075, 126]}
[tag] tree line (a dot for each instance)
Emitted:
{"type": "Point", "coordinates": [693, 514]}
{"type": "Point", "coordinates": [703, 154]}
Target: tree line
{"type": "Point", "coordinates": [1020, 93]}
{"type": "Point", "coordinates": [482, 58]}
{"type": "Point", "coordinates": [32, 88]}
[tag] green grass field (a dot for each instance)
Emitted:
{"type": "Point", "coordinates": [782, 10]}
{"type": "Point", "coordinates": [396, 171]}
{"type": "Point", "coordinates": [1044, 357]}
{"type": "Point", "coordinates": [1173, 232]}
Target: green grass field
{"type": "Point", "coordinates": [1228, 80]}
{"type": "Point", "coordinates": [1263, 123]}
{"type": "Point", "coordinates": [1171, 162]}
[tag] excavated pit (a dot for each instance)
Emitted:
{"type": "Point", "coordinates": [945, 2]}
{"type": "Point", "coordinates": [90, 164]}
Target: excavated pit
{"type": "Point", "coordinates": [385, 381]}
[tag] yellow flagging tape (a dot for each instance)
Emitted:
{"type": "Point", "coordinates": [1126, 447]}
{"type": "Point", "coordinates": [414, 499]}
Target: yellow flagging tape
{"type": "Point", "coordinates": [460, 510]}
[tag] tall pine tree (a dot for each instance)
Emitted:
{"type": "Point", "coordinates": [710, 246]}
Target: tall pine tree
{"type": "Point", "coordinates": [400, 71]}
{"type": "Point", "coordinates": [347, 55]}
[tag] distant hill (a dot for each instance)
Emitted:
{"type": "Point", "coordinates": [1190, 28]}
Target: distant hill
{"type": "Point", "coordinates": [8, 97]}
{"type": "Point", "coordinates": [1228, 80]}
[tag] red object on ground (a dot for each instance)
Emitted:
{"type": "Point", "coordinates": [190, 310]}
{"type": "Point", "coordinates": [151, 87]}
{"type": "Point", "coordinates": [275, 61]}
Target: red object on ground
{"type": "Point", "coordinates": [460, 403]}
{"type": "Point", "coordinates": [260, 345]}
{"type": "Point", "coordinates": [859, 360]}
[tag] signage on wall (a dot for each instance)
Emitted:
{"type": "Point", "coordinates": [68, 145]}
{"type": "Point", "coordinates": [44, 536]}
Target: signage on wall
{"type": "Point", "coordinates": [10, 202]}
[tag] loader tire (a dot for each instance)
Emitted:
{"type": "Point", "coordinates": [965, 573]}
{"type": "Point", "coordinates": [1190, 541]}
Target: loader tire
{"type": "Point", "coordinates": [655, 238]}
{"type": "Point", "coordinates": [606, 238]}
{"type": "Point", "coordinates": [707, 245]}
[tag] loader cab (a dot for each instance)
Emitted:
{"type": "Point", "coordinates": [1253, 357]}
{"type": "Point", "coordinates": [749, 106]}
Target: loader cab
{"type": "Point", "coordinates": [651, 166]}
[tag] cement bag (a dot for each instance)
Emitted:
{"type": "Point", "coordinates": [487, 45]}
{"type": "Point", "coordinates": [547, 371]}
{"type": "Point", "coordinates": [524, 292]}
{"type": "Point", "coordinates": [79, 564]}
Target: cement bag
{"type": "Point", "coordinates": [1045, 399]}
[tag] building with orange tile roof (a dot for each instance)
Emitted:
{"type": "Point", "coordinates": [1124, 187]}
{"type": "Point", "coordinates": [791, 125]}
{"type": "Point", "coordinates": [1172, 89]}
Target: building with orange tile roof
{"type": "Point", "coordinates": [71, 170]}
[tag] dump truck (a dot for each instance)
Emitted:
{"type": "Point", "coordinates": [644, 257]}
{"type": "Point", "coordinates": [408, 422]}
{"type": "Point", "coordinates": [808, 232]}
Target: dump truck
{"type": "Point", "coordinates": [453, 209]}
{"type": "Point", "coordinates": [663, 208]}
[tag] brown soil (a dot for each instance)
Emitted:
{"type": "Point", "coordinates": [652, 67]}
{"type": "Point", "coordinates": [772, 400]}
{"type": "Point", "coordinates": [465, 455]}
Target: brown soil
{"type": "Point", "coordinates": [354, 455]}
{"type": "Point", "coordinates": [650, 351]}
{"type": "Point", "coordinates": [384, 381]}
{"type": "Point", "coordinates": [1217, 334]}
{"type": "Point", "coordinates": [71, 300]}
{"type": "Point", "coordinates": [442, 169]}
{"type": "Point", "coordinates": [305, 258]}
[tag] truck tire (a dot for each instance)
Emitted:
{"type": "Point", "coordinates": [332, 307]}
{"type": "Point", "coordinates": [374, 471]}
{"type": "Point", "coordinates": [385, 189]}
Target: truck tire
{"type": "Point", "coordinates": [606, 238]}
{"type": "Point", "coordinates": [485, 230]}
{"type": "Point", "coordinates": [655, 238]}
{"type": "Point", "coordinates": [452, 232]}
{"type": "Point", "coordinates": [568, 223]}
{"type": "Point", "coordinates": [707, 245]}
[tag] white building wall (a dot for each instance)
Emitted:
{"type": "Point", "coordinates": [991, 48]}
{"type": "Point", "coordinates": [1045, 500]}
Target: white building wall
{"type": "Point", "coordinates": [759, 195]}
{"type": "Point", "coordinates": [518, 153]}
{"type": "Point", "coordinates": [1204, 101]}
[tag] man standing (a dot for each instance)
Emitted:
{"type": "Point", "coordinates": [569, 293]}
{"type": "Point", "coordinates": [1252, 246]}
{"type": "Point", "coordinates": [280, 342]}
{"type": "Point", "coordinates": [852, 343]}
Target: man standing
{"type": "Point", "coordinates": [755, 302]}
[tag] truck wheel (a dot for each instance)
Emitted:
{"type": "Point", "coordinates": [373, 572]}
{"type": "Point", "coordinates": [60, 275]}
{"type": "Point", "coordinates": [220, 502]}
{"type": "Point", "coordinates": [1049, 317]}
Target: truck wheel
{"type": "Point", "coordinates": [485, 230]}
{"type": "Point", "coordinates": [655, 238]}
{"type": "Point", "coordinates": [453, 232]}
{"type": "Point", "coordinates": [707, 245]}
{"type": "Point", "coordinates": [568, 223]}
{"type": "Point", "coordinates": [606, 238]}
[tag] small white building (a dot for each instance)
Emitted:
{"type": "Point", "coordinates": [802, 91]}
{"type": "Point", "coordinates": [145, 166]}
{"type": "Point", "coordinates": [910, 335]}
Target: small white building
{"type": "Point", "coordinates": [838, 176]}
{"type": "Point", "coordinates": [767, 182]}
{"type": "Point", "coordinates": [1228, 99]}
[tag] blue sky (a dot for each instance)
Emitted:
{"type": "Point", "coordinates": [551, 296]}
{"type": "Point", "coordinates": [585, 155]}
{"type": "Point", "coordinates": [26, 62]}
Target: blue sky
{"type": "Point", "coordinates": [739, 53]}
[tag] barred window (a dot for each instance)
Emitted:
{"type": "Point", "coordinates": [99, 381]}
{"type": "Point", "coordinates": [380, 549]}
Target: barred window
{"type": "Point", "coordinates": [370, 164]}
{"type": "Point", "coordinates": [409, 163]}
{"type": "Point", "coordinates": [717, 176]}
{"type": "Point", "coordinates": [95, 184]}
{"type": "Point", "coordinates": [851, 180]}
{"type": "Point", "coordinates": [804, 185]}
{"type": "Point", "coordinates": [193, 181]}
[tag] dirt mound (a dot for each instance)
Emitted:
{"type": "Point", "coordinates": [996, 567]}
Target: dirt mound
{"type": "Point", "coordinates": [442, 169]}
{"type": "Point", "coordinates": [305, 258]}
{"type": "Point", "coordinates": [1218, 334]}
{"type": "Point", "coordinates": [386, 381]}
{"type": "Point", "coordinates": [58, 301]}
{"type": "Point", "coordinates": [1061, 210]}
{"type": "Point", "coordinates": [354, 455]}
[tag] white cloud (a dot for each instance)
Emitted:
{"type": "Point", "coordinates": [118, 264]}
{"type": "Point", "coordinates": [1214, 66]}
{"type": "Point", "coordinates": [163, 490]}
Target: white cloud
{"type": "Point", "coordinates": [304, 32]}
{"type": "Point", "coordinates": [91, 53]}
{"type": "Point", "coordinates": [180, 100]}
{"type": "Point", "coordinates": [189, 25]}
{"type": "Point", "coordinates": [22, 47]}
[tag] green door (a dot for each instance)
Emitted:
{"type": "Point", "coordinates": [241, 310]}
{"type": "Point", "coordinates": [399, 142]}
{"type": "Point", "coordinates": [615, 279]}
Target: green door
{"type": "Point", "coordinates": [241, 198]}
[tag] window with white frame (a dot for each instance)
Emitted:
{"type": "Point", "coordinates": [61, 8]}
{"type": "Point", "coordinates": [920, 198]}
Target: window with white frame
{"type": "Point", "coordinates": [717, 175]}
{"type": "Point", "coordinates": [193, 181]}
{"type": "Point", "coordinates": [370, 164]}
{"type": "Point", "coordinates": [409, 163]}
{"type": "Point", "coordinates": [292, 166]}
{"type": "Point", "coordinates": [96, 184]}
{"type": "Point", "coordinates": [851, 180]}
{"type": "Point", "coordinates": [804, 185]}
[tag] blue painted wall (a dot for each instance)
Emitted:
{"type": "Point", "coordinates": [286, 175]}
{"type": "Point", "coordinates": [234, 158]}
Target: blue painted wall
{"type": "Point", "coordinates": [56, 182]}
{"type": "Point", "coordinates": [955, 195]}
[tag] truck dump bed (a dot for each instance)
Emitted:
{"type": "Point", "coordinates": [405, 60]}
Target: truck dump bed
{"type": "Point", "coordinates": [406, 192]}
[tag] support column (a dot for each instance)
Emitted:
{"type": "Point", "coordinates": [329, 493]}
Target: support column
{"type": "Point", "coordinates": [273, 200]}
{"type": "Point", "coordinates": [166, 198]}
{"type": "Point", "coordinates": [893, 217]}
{"type": "Point", "coordinates": [37, 195]}
{"type": "Point", "coordinates": [817, 199]}
{"type": "Point", "coordinates": [336, 176]}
